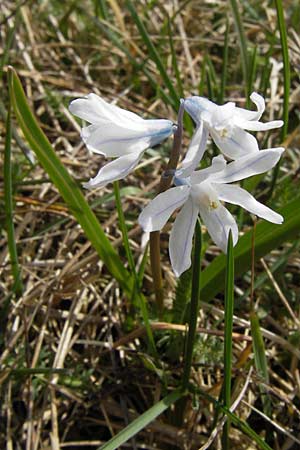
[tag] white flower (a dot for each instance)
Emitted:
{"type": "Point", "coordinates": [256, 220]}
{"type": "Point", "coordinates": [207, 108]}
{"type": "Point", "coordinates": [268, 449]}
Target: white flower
{"type": "Point", "coordinates": [115, 132]}
{"type": "Point", "coordinates": [202, 194]}
{"type": "Point", "coordinates": [226, 124]}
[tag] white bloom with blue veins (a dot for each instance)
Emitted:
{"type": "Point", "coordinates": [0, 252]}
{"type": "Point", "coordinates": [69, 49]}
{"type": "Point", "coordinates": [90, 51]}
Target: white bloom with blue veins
{"type": "Point", "coordinates": [202, 193]}
{"type": "Point", "coordinates": [227, 125]}
{"type": "Point", "coordinates": [116, 132]}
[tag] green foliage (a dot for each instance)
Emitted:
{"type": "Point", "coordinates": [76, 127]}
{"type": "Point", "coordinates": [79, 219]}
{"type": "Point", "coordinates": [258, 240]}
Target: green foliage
{"type": "Point", "coordinates": [209, 350]}
{"type": "Point", "coordinates": [65, 184]}
{"type": "Point", "coordinates": [268, 237]}
{"type": "Point", "coordinates": [142, 421]}
{"type": "Point", "coordinates": [8, 204]}
{"type": "Point", "coordinates": [182, 297]}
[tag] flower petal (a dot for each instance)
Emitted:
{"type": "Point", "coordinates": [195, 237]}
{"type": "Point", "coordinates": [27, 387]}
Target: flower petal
{"type": "Point", "coordinates": [254, 125]}
{"type": "Point", "coordinates": [218, 164]}
{"type": "Point", "coordinates": [181, 238]}
{"type": "Point", "coordinates": [219, 222]}
{"type": "Point", "coordinates": [222, 115]}
{"type": "Point", "coordinates": [246, 114]}
{"type": "Point", "coordinates": [238, 196]}
{"type": "Point", "coordinates": [97, 111]}
{"type": "Point", "coordinates": [194, 153]}
{"type": "Point", "coordinates": [247, 166]}
{"type": "Point", "coordinates": [94, 109]}
{"type": "Point", "coordinates": [158, 130]}
{"type": "Point", "coordinates": [115, 170]}
{"type": "Point", "coordinates": [112, 139]}
{"type": "Point", "coordinates": [238, 143]}
{"type": "Point", "coordinates": [157, 212]}
{"type": "Point", "coordinates": [196, 106]}
{"type": "Point", "coordinates": [249, 120]}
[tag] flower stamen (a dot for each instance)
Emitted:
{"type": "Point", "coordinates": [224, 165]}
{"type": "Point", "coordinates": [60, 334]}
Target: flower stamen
{"type": "Point", "coordinates": [213, 205]}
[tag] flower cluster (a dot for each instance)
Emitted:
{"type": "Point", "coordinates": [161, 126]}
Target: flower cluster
{"type": "Point", "coordinates": [115, 132]}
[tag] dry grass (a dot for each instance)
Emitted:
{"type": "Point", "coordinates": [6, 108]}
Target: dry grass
{"type": "Point", "coordinates": [74, 363]}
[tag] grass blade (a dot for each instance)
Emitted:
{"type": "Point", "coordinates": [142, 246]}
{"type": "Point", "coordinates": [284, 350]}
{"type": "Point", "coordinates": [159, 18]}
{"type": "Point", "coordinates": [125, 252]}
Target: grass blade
{"type": "Point", "coordinates": [174, 60]}
{"type": "Point", "coordinates": [67, 187]}
{"type": "Point", "coordinates": [252, 70]}
{"type": "Point", "coordinates": [286, 81]}
{"type": "Point", "coordinates": [228, 319]}
{"type": "Point", "coordinates": [153, 53]}
{"type": "Point", "coordinates": [243, 43]}
{"type": "Point", "coordinates": [118, 42]}
{"type": "Point", "coordinates": [225, 65]}
{"type": "Point", "coordinates": [260, 360]}
{"type": "Point", "coordinates": [142, 421]}
{"type": "Point", "coordinates": [279, 265]}
{"type": "Point", "coordinates": [136, 294]}
{"type": "Point", "coordinates": [286, 67]}
{"type": "Point", "coordinates": [268, 237]}
{"type": "Point", "coordinates": [8, 44]}
{"type": "Point", "coordinates": [259, 348]}
{"type": "Point", "coordinates": [123, 228]}
{"type": "Point", "coordinates": [194, 308]}
{"type": "Point", "coordinates": [241, 424]}
{"type": "Point", "coordinates": [8, 205]}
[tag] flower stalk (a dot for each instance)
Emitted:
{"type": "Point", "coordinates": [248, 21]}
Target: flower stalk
{"type": "Point", "coordinates": [165, 183]}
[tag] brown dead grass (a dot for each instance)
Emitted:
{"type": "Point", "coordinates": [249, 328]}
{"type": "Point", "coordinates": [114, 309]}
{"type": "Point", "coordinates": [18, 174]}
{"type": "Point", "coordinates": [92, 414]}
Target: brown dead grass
{"type": "Point", "coordinates": [72, 320]}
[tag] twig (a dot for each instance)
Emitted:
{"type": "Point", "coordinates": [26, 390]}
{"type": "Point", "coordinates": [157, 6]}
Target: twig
{"type": "Point", "coordinates": [168, 326]}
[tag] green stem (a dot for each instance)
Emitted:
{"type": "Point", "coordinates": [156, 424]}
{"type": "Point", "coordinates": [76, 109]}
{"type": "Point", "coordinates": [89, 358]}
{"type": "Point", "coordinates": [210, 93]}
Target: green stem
{"type": "Point", "coordinates": [9, 207]}
{"type": "Point", "coordinates": [195, 297]}
{"type": "Point", "coordinates": [123, 228]}
{"type": "Point", "coordinates": [228, 319]}
{"type": "Point", "coordinates": [136, 294]}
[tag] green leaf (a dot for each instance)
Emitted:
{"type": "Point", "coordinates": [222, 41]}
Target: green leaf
{"type": "Point", "coordinates": [141, 422]}
{"type": "Point", "coordinates": [268, 236]}
{"type": "Point", "coordinates": [136, 293]}
{"type": "Point", "coordinates": [241, 424]}
{"type": "Point", "coordinates": [8, 206]}
{"type": "Point", "coordinates": [8, 43]}
{"type": "Point", "coordinates": [194, 307]}
{"type": "Point", "coordinates": [67, 187]}
{"type": "Point", "coordinates": [182, 297]}
{"type": "Point", "coordinates": [252, 70]}
{"type": "Point", "coordinates": [286, 67]}
{"type": "Point", "coordinates": [286, 79]}
{"type": "Point", "coordinates": [260, 360]}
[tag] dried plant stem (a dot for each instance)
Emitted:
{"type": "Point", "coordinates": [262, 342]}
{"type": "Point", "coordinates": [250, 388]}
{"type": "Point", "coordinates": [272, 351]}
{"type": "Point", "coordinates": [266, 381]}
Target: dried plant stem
{"type": "Point", "coordinates": [164, 184]}
{"type": "Point", "coordinates": [156, 269]}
